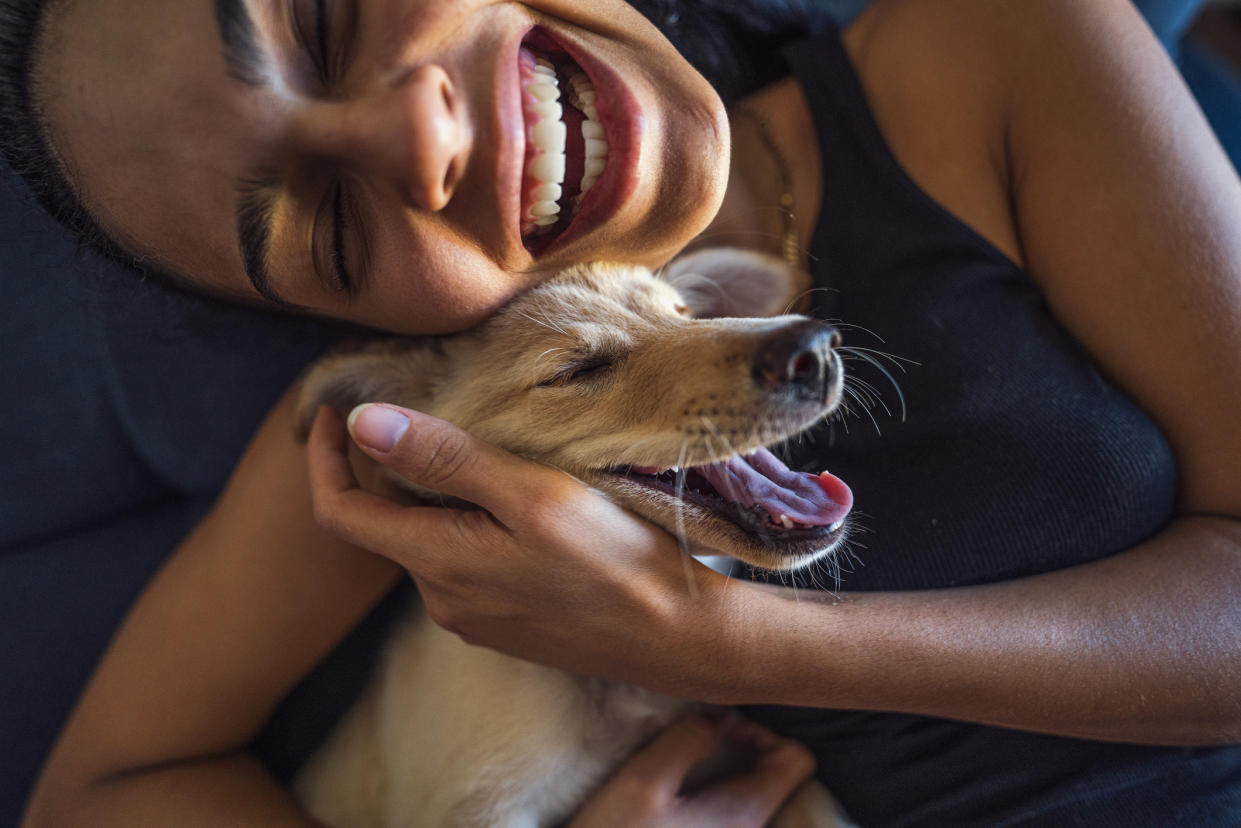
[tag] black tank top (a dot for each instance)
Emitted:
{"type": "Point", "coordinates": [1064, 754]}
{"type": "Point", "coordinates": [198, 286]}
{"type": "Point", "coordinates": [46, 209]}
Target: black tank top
{"type": "Point", "coordinates": [1014, 456]}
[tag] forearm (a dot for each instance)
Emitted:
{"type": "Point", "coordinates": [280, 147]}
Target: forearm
{"type": "Point", "coordinates": [232, 790]}
{"type": "Point", "coordinates": [251, 601]}
{"type": "Point", "coordinates": [1144, 646]}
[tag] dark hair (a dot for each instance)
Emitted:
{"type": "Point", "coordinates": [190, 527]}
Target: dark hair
{"type": "Point", "coordinates": [734, 43]}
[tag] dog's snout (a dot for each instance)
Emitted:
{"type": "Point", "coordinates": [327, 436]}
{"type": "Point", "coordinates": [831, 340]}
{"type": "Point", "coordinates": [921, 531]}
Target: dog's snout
{"type": "Point", "coordinates": [798, 358]}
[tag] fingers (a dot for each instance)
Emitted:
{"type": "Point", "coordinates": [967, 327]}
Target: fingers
{"type": "Point", "coordinates": [754, 797]}
{"type": "Point", "coordinates": [645, 791]}
{"type": "Point", "coordinates": [339, 503]}
{"type": "Point", "coordinates": [441, 457]}
{"type": "Point", "coordinates": [433, 453]}
{"type": "Point", "coordinates": [661, 766]}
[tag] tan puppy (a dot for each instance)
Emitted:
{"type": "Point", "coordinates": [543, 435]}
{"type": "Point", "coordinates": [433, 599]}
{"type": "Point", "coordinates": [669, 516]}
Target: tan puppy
{"type": "Point", "coordinates": [657, 392]}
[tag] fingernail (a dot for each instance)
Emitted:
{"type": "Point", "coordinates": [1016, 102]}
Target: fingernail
{"type": "Point", "coordinates": [377, 427]}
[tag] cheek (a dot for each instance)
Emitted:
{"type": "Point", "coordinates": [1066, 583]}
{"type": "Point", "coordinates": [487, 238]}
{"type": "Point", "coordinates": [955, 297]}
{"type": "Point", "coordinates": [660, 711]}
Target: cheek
{"type": "Point", "coordinates": [439, 290]}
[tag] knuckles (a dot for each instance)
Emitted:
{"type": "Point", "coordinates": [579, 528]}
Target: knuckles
{"type": "Point", "coordinates": [326, 513]}
{"type": "Point", "coordinates": [435, 459]}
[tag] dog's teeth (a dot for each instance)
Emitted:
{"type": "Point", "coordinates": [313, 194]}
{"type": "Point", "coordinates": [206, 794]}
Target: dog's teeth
{"type": "Point", "coordinates": [836, 526]}
{"type": "Point", "coordinates": [786, 521]}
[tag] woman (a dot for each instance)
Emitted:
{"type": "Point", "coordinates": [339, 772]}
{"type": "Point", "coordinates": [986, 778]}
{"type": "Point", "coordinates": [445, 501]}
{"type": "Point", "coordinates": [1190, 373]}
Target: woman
{"type": "Point", "coordinates": [1029, 683]}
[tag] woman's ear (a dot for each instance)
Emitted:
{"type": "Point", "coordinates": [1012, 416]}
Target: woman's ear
{"type": "Point", "coordinates": [729, 281]}
{"type": "Point", "coordinates": [403, 372]}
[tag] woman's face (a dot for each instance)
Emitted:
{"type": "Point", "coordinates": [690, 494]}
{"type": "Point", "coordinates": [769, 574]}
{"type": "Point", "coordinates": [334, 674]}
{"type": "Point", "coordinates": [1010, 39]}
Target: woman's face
{"type": "Point", "coordinates": [381, 161]}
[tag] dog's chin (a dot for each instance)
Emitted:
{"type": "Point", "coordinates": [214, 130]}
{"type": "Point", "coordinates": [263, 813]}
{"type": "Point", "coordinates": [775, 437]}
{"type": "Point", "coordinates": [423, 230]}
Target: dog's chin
{"type": "Point", "coordinates": [712, 524]}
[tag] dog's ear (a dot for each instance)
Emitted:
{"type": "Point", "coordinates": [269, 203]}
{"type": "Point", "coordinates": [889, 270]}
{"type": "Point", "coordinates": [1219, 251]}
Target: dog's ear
{"type": "Point", "coordinates": [727, 281]}
{"type": "Point", "coordinates": [402, 371]}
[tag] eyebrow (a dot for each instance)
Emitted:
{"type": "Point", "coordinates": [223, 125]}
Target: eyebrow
{"type": "Point", "coordinates": [256, 207]}
{"type": "Point", "coordinates": [239, 36]}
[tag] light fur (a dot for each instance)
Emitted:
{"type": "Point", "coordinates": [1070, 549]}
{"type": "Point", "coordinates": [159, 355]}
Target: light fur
{"type": "Point", "coordinates": [450, 734]}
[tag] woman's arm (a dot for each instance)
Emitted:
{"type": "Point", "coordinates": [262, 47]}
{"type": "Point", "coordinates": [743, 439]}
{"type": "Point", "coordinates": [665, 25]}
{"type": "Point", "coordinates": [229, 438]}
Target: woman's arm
{"type": "Point", "coordinates": [1141, 647]}
{"type": "Point", "coordinates": [1128, 215]}
{"type": "Point", "coordinates": [244, 608]}
{"type": "Point", "coordinates": [1126, 212]}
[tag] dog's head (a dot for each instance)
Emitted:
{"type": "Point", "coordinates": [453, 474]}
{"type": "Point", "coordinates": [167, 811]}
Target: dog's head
{"type": "Point", "coordinates": [657, 391]}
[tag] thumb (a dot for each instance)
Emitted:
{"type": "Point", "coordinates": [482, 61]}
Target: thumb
{"type": "Point", "coordinates": [662, 765]}
{"type": "Point", "coordinates": [436, 455]}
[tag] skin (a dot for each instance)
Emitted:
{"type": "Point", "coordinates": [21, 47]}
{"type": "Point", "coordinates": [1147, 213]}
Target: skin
{"type": "Point", "coordinates": [1095, 171]}
{"type": "Point", "coordinates": [410, 128]}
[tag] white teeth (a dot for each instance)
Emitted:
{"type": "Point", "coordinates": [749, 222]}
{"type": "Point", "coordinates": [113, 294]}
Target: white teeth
{"type": "Point", "coordinates": [548, 168]}
{"type": "Point", "coordinates": [547, 192]}
{"type": "Point", "coordinates": [549, 110]}
{"type": "Point", "coordinates": [544, 90]}
{"type": "Point", "coordinates": [596, 148]}
{"type": "Point", "coordinates": [836, 526]}
{"type": "Point", "coordinates": [544, 208]}
{"type": "Point", "coordinates": [786, 521]}
{"type": "Point", "coordinates": [549, 137]}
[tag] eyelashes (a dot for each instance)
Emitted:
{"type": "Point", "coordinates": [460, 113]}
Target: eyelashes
{"type": "Point", "coordinates": [321, 38]}
{"type": "Point", "coordinates": [589, 369]}
{"type": "Point", "coordinates": [326, 31]}
{"type": "Point", "coordinates": [336, 223]}
{"type": "Point", "coordinates": [339, 269]}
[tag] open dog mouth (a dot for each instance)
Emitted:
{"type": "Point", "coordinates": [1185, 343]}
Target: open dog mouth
{"type": "Point", "coordinates": [566, 146]}
{"type": "Point", "coordinates": [757, 492]}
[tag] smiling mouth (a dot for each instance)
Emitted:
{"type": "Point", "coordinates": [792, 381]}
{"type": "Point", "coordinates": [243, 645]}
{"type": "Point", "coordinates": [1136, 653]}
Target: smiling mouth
{"type": "Point", "coordinates": [758, 493]}
{"type": "Point", "coordinates": [566, 145]}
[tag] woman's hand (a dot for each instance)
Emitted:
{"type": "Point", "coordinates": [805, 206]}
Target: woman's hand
{"type": "Point", "coordinates": [646, 791]}
{"type": "Point", "coordinates": [549, 570]}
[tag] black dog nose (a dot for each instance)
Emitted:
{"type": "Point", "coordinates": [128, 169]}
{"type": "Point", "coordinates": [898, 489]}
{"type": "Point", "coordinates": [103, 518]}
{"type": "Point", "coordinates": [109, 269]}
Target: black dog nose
{"type": "Point", "coordinates": [798, 358]}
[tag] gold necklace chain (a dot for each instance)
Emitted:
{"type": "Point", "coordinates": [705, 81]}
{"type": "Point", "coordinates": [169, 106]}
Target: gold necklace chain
{"type": "Point", "coordinates": [790, 244]}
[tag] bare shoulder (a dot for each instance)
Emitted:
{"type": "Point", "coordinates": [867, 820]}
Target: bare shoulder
{"type": "Point", "coordinates": [1124, 208]}
{"type": "Point", "coordinates": [961, 37]}
{"type": "Point", "coordinates": [938, 88]}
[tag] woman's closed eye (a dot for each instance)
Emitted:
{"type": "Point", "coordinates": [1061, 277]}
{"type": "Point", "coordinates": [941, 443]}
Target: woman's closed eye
{"type": "Point", "coordinates": [336, 223]}
{"type": "Point", "coordinates": [325, 31]}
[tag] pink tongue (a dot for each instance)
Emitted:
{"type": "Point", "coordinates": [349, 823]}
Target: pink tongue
{"type": "Point", "coordinates": [761, 479]}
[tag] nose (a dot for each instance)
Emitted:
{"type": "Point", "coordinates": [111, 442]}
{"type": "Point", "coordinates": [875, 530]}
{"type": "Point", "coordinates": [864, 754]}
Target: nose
{"type": "Point", "coordinates": [798, 359]}
{"type": "Point", "coordinates": [411, 132]}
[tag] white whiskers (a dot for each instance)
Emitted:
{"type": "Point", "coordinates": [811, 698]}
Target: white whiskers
{"type": "Point", "coordinates": [687, 561]}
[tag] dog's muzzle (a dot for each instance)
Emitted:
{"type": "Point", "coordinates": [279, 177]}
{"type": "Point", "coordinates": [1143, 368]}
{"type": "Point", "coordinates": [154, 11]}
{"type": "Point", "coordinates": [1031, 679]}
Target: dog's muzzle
{"type": "Point", "coordinates": [797, 359]}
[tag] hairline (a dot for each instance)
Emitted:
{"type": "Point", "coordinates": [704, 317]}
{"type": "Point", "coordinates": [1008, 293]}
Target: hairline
{"type": "Point", "coordinates": [89, 228]}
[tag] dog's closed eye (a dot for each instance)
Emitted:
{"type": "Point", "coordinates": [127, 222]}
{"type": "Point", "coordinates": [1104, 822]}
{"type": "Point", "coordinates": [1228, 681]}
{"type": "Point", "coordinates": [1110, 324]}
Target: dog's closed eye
{"type": "Point", "coordinates": [593, 368]}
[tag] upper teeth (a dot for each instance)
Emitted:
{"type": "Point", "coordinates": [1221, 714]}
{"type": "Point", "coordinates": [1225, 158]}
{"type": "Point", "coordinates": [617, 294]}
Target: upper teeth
{"type": "Point", "coordinates": [550, 135]}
